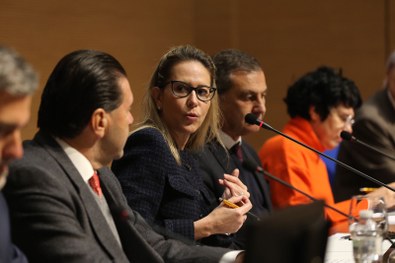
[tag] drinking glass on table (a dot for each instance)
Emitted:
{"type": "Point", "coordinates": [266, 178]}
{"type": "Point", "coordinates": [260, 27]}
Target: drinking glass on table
{"type": "Point", "coordinates": [368, 225]}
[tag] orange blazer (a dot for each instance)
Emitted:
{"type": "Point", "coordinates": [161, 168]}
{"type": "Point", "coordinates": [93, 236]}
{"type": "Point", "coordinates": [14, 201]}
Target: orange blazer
{"type": "Point", "coordinates": [303, 169]}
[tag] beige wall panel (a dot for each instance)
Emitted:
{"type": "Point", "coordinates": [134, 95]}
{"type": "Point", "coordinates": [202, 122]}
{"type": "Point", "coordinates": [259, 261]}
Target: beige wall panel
{"type": "Point", "coordinates": [288, 37]}
{"type": "Point", "coordinates": [217, 25]}
{"type": "Point", "coordinates": [297, 36]}
{"type": "Point", "coordinates": [135, 32]}
{"type": "Point", "coordinates": [293, 37]}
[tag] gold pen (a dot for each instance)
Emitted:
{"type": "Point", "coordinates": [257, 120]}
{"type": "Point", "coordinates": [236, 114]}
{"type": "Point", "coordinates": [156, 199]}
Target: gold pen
{"type": "Point", "coordinates": [232, 205]}
{"type": "Point", "coordinates": [367, 190]}
{"type": "Point", "coordinates": [228, 203]}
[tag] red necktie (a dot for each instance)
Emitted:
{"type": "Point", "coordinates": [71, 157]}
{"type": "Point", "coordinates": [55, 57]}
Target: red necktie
{"type": "Point", "coordinates": [94, 182]}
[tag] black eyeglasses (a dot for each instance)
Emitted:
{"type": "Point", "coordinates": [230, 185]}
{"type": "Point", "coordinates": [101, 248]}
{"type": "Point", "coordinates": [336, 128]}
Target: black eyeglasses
{"type": "Point", "coordinates": [181, 90]}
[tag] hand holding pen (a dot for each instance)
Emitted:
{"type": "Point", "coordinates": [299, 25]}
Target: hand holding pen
{"type": "Point", "coordinates": [232, 205]}
{"type": "Point", "coordinates": [229, 220]}
{"type": "Point", "coordinates": [367, 190]}
{"type": "Point", "coordinates": [224, 220]}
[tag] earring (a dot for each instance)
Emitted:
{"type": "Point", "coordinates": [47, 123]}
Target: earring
{"type": "Point", "coordinates": [158, 107]}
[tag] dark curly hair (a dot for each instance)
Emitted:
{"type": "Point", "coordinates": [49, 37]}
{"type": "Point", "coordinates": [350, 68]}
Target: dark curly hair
{"type": "Point", "coordinates": [323, 88]}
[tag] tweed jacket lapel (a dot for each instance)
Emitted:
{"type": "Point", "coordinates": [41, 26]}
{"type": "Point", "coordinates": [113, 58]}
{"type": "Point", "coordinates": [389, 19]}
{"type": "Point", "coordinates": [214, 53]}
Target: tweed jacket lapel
{"type": "Point", "coordinates": [98, 223]}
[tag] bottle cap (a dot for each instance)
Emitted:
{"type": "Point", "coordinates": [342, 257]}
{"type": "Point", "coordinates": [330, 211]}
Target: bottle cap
{"type": "Point", "coordinates": [366, 214]}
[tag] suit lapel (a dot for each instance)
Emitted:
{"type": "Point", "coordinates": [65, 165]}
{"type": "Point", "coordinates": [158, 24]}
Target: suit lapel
{"type": "Point", "coordinates": [134, 245]}
{"type": "Point", "coordinates": [217, 158]}
{"type": "Point", "coordinates": [228, 165]}
{"type": "Point", "coordinates": [98, 222]}
{"type": "Point", "coordinates": [222, 157]}
{"type": "Point", "coordinates": [263, 185]}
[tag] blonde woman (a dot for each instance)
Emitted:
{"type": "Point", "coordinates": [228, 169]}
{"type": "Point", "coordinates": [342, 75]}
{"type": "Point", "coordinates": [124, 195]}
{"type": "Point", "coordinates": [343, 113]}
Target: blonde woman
{"type": "Point", "coordinates": [158, 172]}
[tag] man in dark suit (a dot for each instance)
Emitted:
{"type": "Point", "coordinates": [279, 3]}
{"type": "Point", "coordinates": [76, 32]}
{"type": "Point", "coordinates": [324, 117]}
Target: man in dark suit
{"type": "Point", "coordinates": [374, 125]}
{"type": "Point", "coordinates": [65, 203]}
{"type": "Point", "coordinates": [242, 88]}
{"type": "Point", "coordinates": [17, 83]}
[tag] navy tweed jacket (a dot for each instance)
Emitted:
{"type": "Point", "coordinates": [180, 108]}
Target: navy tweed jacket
{"type": "Point", "coordinates": [166, 194]}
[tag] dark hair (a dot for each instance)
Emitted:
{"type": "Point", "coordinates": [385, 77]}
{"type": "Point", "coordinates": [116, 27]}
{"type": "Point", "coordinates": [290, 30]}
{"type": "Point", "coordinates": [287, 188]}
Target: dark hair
{"type": "Point", "coordinates": [324, 89]}
{"type": "Point", "coordinates": [231, 60]}
{"type": "Point", "coordinates": [81, 82]}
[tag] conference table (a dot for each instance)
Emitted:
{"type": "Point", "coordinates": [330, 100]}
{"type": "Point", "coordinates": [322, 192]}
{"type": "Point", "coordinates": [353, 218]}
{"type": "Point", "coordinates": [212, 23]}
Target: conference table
{"type": "Point", "coordinates": [339, 248]}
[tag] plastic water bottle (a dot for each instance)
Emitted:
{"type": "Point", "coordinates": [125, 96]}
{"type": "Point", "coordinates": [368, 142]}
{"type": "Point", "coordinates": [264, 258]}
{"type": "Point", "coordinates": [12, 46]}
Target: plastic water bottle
{"type": "Point", "coordinates": [366, 239]}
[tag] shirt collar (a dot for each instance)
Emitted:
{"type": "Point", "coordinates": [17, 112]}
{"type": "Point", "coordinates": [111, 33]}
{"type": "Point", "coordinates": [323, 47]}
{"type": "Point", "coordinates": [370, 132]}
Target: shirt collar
{"type": "Point", "coordinates": [227, 140]}
{"type": "Point", "coordinates": [80, 162]}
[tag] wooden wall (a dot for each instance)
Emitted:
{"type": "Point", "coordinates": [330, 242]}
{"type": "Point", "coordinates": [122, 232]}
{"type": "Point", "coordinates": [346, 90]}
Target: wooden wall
{"type": "Point", "coordinates": [293, 37]}
{"type": "Point", "coordinates": [288, 37]}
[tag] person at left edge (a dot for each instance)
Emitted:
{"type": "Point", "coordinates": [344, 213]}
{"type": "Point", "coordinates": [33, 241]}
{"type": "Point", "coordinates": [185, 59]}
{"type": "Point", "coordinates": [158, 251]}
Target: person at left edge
{"type": "Point", "coordinates": [83, 122]}
{"type": "Point", "coordinates": [158, 172]}
{"type": "Point", "coordinates": [17, 83]}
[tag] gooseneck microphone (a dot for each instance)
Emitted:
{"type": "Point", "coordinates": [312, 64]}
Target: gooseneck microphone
{"type": "Point", "coordinates": [349, 137]}
{"type": "Point", "coordinates": [252, 119]}
{"type": "Point", "coordinates": [251, 166]}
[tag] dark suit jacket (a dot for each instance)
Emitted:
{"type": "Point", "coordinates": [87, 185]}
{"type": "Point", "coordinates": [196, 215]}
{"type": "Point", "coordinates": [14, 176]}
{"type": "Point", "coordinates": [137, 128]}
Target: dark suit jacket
{"type": "Point", "coordinates": [163, 192]}
{"type": "Point", "coordinates": [8, 252]}
{"type": "Point", "coordinates": [374, 125]}
{"type": "Point", "coordinates": [214, 161]}
{"type": "Point", "coordinates": [56, 218]}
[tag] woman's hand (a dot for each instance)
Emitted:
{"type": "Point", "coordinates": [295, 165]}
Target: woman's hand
{"type": "Point", "coordinates": [233, 185]}
{"type": "Point", "coordinates": [388, 195]}
{"type": "Point", "coordinates": [223, 219]}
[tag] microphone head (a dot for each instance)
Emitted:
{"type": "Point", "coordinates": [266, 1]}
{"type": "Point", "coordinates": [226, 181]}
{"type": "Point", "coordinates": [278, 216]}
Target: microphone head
{"type": "Point", "coordinates": [345, 135]}
{"type": "Point", "coordinates": [252, 166]}
{"type": "Point", "coordinates": [251, 119]}
{"type": "Point", "coordinates": [249, 165]}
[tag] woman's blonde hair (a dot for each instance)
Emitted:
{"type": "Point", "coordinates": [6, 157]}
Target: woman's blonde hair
{"type": "Point", "coordinates": [211, 124]}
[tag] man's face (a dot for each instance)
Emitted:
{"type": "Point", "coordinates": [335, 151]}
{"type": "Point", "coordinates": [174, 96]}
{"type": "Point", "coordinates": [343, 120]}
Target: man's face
{"type": "Point", "coordinates": [247, 95]}
{"type": "Point", "coordinates": [14, 115]}
{"type": "Point", "coordinates": [328, 131]}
